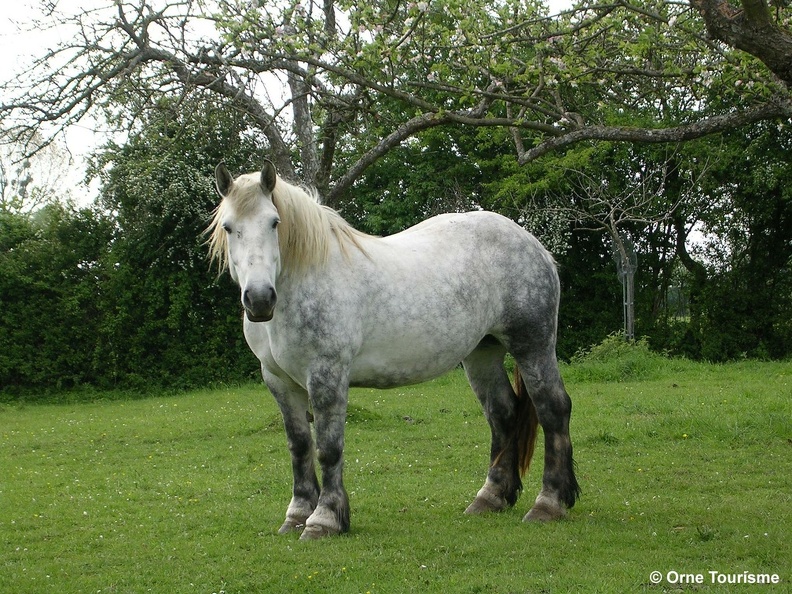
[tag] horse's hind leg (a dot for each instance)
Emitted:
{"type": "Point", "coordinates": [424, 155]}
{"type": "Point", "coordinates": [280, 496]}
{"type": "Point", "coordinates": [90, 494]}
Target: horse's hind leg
{"type": "Point", "coordinates": [553, 406]}
{"type": "Point", "coordinates": [488, 378]}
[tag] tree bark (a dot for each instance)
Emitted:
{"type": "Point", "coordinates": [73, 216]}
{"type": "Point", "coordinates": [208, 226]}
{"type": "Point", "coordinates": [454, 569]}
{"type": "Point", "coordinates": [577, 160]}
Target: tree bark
{"type": "Point", "coordinates": [751, 29]}
{"type": "Point", "coordinates": [304, 128]}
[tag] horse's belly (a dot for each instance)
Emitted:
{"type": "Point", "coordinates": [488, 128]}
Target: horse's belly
{"type": "Point", "coordinates": [389, 371]}
{"type": "Point", "coordinates": [408, 359]}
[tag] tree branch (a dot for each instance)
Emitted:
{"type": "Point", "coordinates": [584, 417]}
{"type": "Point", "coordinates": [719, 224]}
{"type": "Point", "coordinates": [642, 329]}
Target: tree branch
{"type": "Point", "coordinates": [782, 108]}
{"type": "Point", "coordinates": [403, 132]}
{"type": "Point", "coordinates": [551, 82]}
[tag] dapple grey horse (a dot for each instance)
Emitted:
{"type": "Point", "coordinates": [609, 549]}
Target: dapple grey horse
{"type": "Point", "coordinates": [327, 307]}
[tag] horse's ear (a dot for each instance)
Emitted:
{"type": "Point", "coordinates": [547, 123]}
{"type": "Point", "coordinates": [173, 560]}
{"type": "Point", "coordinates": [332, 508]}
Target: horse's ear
{"type": "Point", "coordinates": [223, 180]}
{"type": "Point", "coordinates": [269, 175]}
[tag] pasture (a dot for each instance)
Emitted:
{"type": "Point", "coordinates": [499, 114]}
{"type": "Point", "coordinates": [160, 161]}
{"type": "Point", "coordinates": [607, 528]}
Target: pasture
{"type": "Point", "coordinates": [685, 469]}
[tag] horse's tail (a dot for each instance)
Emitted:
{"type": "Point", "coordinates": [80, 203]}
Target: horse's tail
{"type": "Point", "coordinates": [527, 424]}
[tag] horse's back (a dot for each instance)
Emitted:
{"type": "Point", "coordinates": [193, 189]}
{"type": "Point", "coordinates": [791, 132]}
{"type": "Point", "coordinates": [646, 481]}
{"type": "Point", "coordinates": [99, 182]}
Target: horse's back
{"type": "Point", "coordinates": [488, 251]}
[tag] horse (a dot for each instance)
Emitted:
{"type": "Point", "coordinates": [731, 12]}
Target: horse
{"type": "Point", "coordinates": [327, 307]}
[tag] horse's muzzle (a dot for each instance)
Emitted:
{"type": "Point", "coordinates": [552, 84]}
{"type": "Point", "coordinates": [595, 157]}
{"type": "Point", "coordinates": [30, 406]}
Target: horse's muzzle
{"type": "Point", "coordinates": [259, 302]}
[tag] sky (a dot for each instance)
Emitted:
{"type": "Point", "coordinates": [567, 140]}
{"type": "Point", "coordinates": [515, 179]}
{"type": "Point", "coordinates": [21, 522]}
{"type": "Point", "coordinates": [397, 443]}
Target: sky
{"type": "Point", "coordinates": [20, 48]}
{"type": "Point", "coordinates": [17, 49]}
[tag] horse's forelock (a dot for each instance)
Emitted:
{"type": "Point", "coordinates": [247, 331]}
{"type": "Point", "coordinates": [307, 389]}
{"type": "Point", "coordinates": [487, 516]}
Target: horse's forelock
{"type": "Point", "coordinates": [242, 196]}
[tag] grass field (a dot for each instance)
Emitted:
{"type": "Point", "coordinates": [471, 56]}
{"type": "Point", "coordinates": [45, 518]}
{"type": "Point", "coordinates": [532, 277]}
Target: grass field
{"type": "Point", "coordinates": [685, 469]}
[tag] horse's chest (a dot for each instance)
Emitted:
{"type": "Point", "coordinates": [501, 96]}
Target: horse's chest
{"type": "Point", "coordinates": [295, 343]}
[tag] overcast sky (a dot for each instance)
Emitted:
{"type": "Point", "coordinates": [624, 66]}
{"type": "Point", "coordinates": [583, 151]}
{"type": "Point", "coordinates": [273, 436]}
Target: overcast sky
{"type": "Point", "coordinates": [19, 45]}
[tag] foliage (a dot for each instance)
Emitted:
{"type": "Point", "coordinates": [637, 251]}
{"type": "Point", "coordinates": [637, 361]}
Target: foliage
{"type": "Point", "coordinates": [123, 296]}
{"type": "Point", "coordinates": [688, 471]}
{"type": "Point", "coordinates": [740, 291]}
{"type": "Point", "coordinates": [752, 298]}
{"type": "Point", "coordinates": [167, 320]}
{"type": "Point", "coordinates": [618, 360]}
{"type": "Point", "coordinates": [50, 278]}
{"type": "Point", "coordinates": [397, 112]}
{"type": "Point", "coordinates": [413, 182]}
{"type": "Point", "coordinates": [590, 294]}
{"type": "Point", "coordinates": [334, 86]}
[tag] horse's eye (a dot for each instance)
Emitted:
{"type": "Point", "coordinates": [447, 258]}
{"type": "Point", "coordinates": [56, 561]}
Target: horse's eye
{"type": "Point", "coordinates": [227, 228]}
{"type": "Point", "coordinates": [275, 223]}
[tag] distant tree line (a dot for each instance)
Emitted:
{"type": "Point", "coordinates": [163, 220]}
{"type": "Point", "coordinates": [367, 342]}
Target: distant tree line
{"type": "Point", "coordinates": [655, 126]}
{"type": "Point", "coordinates": [121, 295]}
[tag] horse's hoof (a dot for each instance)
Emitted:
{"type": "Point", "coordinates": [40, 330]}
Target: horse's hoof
{"type": "Point", "coordinates": [544, 512]}
{"type": "Point", "coordinates": [291, 525]}
{"type": "Point", "coordinates": [482, 505]}
{"type": "Point", "coordinates": [316, 531]}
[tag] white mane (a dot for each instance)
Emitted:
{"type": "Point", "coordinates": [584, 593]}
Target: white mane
{"type": "Point", "coordinates": [306, 231]}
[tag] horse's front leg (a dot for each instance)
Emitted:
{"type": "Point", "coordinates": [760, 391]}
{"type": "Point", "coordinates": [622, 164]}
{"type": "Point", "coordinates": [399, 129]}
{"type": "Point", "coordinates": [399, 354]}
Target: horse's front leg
{"type": "Point", "coordinates": [328, 389]}
{"type": "Point", "coordinates": [293, 403]}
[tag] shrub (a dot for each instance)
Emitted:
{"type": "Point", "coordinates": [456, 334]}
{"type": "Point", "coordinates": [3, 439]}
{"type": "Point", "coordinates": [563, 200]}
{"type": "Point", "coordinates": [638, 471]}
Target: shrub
{"type": "Point", "coordinates": [616, 360]}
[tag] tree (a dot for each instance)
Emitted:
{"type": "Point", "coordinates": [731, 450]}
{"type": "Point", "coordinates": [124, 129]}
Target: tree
{"type": "Point", "coordinates": [750, 26]}
{"type": "Point", "coordinates": [29, 183]}
{"type": "Point", "coordinates": [50, 252]}
{"type": "Point", "coordinates": [335, 86]}
{"type": "Point", "coordinates": [380, 105]}
{"type": "Point", "coordinates": [421, 178]}
{"type": "Point", "coordinates": [49, 282]}
{"type": "Point", "coordinates": [167, 320]}
{"type": "Point", "coordinates": [746, 301]}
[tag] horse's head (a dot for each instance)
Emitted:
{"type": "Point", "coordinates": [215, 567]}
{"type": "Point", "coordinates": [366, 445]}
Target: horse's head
{"type": "Point", "coordinates": [245, 237]}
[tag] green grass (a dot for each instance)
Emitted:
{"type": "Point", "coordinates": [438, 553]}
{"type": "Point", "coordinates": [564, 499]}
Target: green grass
{"type": "Point", "coordinates": [684, 467]}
